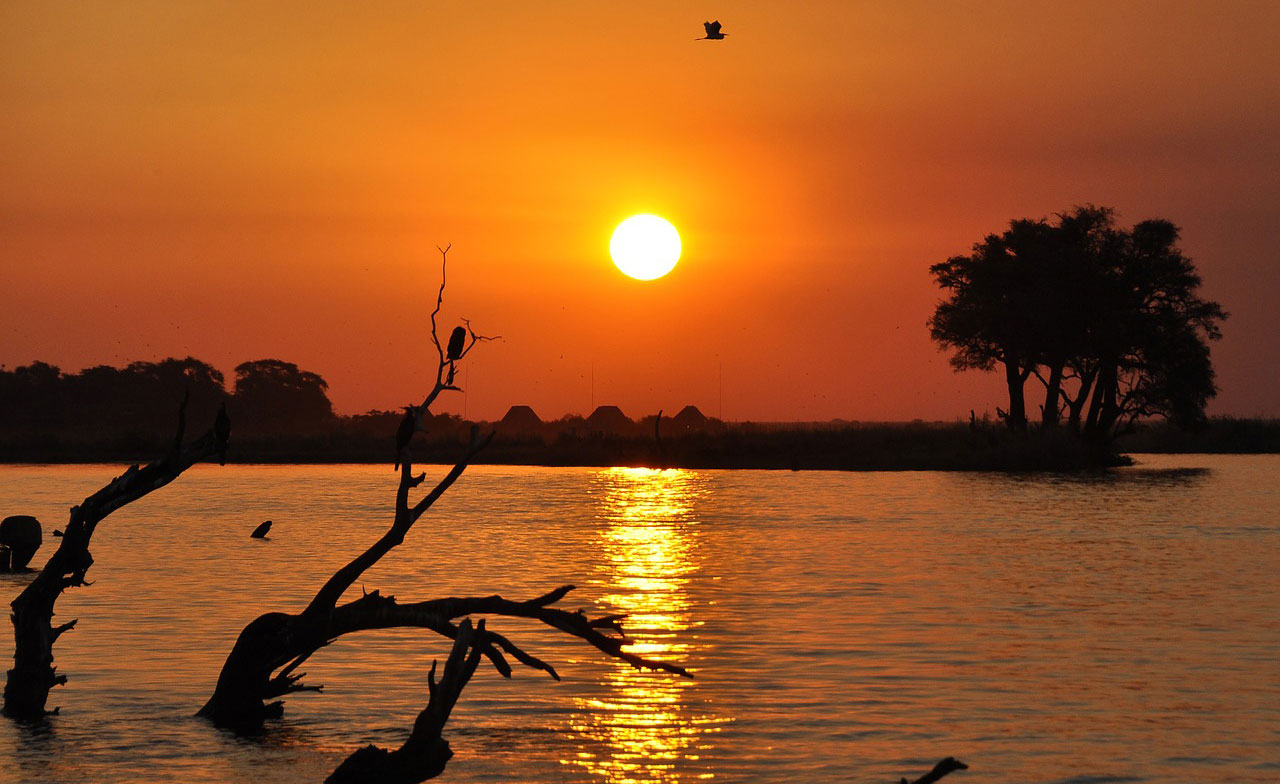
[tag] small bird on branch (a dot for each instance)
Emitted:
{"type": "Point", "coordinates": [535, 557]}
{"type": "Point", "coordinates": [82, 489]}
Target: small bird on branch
{"type": "Point", "coordinates": [713, 32]}
{"type": "Point", "coordinates": [404, 433]}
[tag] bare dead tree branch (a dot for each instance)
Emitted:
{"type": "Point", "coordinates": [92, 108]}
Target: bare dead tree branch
{"type": "Point", "coordinates": [33, 675]}
{"type": "Point", "coordinates": [435, 331]}
{"type": "Point", "coordinates": [263, 664]}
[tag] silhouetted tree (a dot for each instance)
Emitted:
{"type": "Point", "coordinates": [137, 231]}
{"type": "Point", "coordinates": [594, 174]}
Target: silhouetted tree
{"type": "Point", "coordinates": [1150, 345]}
{"type": "Point", "coordinates": [1108, 320]}
{"type": "Point", "coordinates": [106, 402]}
{"type": "Point", "coordinates": [32, 397]}
{"type": "Point", "coordinates": [988, 319]}
{"type": "Point", "coordinates": [274, 396]}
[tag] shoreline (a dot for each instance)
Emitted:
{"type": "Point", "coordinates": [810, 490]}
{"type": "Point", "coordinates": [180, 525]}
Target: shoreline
{"type": "Point", "coordinates": [746, 446]}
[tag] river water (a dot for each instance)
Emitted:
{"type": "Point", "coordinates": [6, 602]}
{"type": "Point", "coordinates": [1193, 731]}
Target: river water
{"type": "Point", "coordinates": [848, 627]}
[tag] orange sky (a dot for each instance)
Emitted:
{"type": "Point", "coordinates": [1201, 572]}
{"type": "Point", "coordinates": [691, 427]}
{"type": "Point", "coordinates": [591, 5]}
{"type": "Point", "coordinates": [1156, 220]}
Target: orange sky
{"type": "Point", "coordinates": [231, 183]}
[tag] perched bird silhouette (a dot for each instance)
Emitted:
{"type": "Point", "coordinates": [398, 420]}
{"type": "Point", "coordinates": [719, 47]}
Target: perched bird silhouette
{"type": "Point", "coordinates": [222, 432]}
{"type": "Point", "coordinates": [713, 32]}
{"type": "Point", "coordinates": [456, 343]}
{"type": "Point", "coordinates": [404, 433]}
{"type": "Point", "coordinates": [261, 531]}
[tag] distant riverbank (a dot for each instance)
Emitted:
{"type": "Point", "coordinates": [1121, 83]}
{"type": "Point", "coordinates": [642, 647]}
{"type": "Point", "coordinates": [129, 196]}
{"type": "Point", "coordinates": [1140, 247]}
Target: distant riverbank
{"type": "Point", "coordinates": [822, 446]}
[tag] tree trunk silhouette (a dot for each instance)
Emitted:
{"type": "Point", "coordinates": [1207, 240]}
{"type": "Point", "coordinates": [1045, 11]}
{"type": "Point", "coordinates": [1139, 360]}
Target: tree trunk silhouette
{"type": "Point", "coordinates": [1102, 403]}
{"type": "Point", "coordinates": [1016, 380]}
{"type": "Point", "coordinates": [27, 687]}
{"type": "Point", "coordinates": [1050, 416]}
{"type": "Point", "coordinates": [1075, 405]}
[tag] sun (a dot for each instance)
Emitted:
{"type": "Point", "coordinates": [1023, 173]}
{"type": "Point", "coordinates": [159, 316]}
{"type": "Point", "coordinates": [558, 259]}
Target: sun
{"type": "Point", "coordinates": [645, 247]}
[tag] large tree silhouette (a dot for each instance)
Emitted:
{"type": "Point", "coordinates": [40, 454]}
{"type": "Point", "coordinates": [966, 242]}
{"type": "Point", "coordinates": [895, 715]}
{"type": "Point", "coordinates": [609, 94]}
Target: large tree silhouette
{"type": "Point", "coordinates": [1108, 320]}
{"type": "Point", "coordinates": [275, 396]}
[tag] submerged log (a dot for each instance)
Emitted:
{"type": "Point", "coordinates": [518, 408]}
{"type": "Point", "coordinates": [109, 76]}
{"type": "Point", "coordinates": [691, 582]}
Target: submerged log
{"type": "Point", "coordinates": [27, 687]}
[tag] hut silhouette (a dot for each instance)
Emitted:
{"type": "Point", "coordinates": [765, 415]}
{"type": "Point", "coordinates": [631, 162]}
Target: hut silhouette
{"type": "Point", "coordinates": [609, 420]}
{"type": "Point", "coordinates": [520, 419]}
{"type": "Point", "coordinates": [689, 420]}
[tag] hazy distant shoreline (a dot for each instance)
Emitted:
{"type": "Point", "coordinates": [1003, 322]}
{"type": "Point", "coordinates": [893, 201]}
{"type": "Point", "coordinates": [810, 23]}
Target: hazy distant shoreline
{"type": "Point", "coordinates": [777, 446]}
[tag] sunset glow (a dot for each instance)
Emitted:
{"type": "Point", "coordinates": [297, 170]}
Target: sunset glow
{"type": "Point", "coordinates": [774, 392]}
{"type": "Point", "coordinates": [260, 169]}
{"type": "Point", "coordinates": [645, 247]}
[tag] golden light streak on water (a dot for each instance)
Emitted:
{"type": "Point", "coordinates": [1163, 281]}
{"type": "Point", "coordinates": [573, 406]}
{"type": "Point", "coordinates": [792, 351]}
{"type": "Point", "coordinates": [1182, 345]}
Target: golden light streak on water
{"type": "Point", "coordinates": [645, 725]}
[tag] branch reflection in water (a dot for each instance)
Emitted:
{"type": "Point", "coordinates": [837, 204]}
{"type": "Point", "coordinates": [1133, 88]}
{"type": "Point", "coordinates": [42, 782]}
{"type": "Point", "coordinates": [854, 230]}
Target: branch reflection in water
{"type": "Point", "coordinates": [642, 729]}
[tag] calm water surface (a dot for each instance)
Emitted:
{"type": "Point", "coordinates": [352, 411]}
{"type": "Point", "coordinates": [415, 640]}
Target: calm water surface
{"type": "Point", "coordinates": [843, 626]}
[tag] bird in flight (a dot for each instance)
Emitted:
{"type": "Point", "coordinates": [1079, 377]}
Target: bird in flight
{"type": "Point", "coordinates": [713, 32]}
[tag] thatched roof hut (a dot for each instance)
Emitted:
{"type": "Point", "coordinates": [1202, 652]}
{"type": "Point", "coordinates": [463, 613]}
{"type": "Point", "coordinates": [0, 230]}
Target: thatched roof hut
{"type": "Point", "coordinates": [520, 419]}
{"type": "Point", "coordinates": [610, 420]}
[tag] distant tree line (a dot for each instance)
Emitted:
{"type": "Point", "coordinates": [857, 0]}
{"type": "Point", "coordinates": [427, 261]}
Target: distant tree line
{"type": "Point", "coordinates": [1107, 320]}
{"type": "Point", "coordinates": [268, 396]}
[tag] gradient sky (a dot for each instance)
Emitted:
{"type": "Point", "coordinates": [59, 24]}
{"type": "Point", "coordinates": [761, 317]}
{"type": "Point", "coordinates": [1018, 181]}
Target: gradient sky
{"type": "Point", "coordinates": [237, 181]}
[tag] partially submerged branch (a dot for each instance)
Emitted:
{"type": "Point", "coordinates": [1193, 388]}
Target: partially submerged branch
{"type": "Point", "coordinates": [425, 753]}
{"type": "Point", "coordinates": [27, 687]}
{"type": "Point", "coordinates": [282, 642]}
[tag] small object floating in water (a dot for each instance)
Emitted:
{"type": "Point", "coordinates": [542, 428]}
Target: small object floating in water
{"type": "Point", "coordinates": [261, 531]}
{"type": "Point", "coordinates": [20, 537]}
{"type": "Point", "coordinates": [56, 532]}
{"type": "Point", "coordinates": [948, 765]}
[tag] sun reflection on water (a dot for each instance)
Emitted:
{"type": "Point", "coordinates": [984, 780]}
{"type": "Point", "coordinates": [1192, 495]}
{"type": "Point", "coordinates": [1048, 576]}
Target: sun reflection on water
{"type": "Point", "coordinates": [641, 728]}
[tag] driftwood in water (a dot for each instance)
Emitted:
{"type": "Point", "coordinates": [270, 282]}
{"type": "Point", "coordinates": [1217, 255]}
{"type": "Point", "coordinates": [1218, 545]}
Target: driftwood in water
{"type": "Point", "coordinates": [948, 765]}
{"type": "Point", "coordinates": [26, 690]}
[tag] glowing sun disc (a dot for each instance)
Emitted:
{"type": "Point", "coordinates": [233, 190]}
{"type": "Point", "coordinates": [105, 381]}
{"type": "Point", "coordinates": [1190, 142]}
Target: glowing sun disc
{"type": "Point", "coordinates": [645, 247]}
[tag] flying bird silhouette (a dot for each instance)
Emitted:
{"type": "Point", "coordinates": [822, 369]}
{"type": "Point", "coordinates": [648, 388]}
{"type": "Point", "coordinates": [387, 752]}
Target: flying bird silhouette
{"type": "Point", "coordinates": [456, 343]}
{"type": "Point", "coordinates": [404, 433]}
{"type": "Point", "coordinates": [713, 32]}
